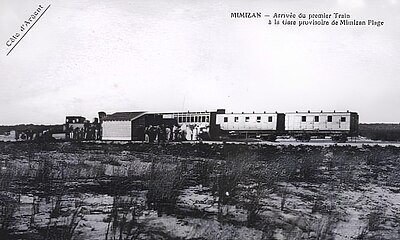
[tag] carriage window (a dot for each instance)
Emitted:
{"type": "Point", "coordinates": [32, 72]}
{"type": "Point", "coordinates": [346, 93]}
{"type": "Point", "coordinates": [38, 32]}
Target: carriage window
{"type": "Point", "coordinates": [270, 119]}
{"type": "Point", "coordinates": [303, 118]}
{"type": "Point", "coordinates": [343, 119]}
{"type": "Point", "coordinates": [329, 118]}
{"type": "Point", "coordinates": [247, 119]}
{"type": "Point", "coordinates": [207, 119]}
{"type": "Point", "coordinates": [203, 118]}
{"type": "Point", "coordinates": [191, 119]}
{"type": "Point", "coordinates": [236, 119]}
{"type": "Point", "coordinates": [316, 119]}
{"type": "Point", "coordinates": [225, 119]}
{"type": "Point", "coordinates": [258, 119]}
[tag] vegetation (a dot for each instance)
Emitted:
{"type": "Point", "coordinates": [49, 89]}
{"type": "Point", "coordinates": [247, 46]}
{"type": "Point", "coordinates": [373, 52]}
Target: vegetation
{"type": "Point", "coordinates": [225, 191]}
{"type": "Point", "coordinates": [380, 131]}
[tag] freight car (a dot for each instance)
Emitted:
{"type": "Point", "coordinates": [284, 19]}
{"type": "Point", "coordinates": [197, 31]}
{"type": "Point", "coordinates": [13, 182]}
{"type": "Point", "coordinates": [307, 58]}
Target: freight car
{"type": "Point", "coordinates": [337, 125]}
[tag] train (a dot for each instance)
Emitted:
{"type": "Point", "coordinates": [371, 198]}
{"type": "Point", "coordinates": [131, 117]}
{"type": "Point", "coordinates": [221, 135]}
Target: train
{"type": "Point", "coordinates": [219, 125]}
{"type": "Point", "coordinates": [300, 125]}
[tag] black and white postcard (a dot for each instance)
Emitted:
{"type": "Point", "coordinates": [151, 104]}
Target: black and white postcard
{"type": "Point", "coordinates": [199, 119]}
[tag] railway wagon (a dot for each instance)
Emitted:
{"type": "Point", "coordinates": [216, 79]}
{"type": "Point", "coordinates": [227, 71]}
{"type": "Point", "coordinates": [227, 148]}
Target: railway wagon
{"type": "Point", "coordinates": [250, 125]}
{"type": "Point", "coordinates": [194, 125]}
{"type": "Point", "coordinates": [337, 125]}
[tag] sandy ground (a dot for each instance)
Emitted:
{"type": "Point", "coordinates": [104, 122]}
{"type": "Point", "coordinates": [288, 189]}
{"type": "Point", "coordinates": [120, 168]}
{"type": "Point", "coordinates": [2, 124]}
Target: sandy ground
{"type": "Point", "coordinates": [102, 190]}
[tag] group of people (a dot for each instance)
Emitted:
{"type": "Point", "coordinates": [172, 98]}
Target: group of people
{"type": "Point", "coordinates": [163, 133]}
{"type": "Point", "coordinates": [87, 132]}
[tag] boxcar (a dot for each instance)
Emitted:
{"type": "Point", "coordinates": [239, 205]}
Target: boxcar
{"type": "Point", "coordinates": [322, 124]}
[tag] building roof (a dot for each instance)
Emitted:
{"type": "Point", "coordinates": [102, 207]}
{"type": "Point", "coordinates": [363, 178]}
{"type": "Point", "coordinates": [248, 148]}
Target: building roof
{"type": "Point", "coordinates": [321, 112]}
{"type": "Point", "coordinates": [123, 116]}
{"type": "Point", "coordinates": [250, 113]}
{"type": "Point", "coordinates": [74, 117]}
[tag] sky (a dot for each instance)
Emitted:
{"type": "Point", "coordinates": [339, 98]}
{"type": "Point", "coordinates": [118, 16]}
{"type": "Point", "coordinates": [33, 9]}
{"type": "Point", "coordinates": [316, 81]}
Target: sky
{"type": "Point", "coordinates": [86, 56]}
